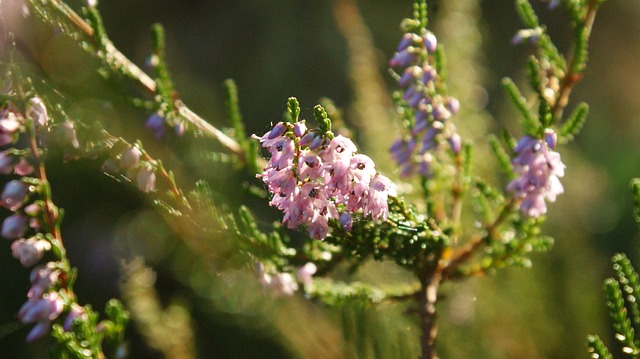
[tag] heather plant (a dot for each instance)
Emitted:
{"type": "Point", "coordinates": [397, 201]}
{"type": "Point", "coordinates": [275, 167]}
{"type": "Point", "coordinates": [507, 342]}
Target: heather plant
{"type": "Point", "coordinates": [437, 217]}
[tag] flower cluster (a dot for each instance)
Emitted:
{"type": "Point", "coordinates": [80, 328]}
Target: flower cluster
{"type": "Point", "coordinates": [430, 111]}
{"type": "Point", "coordinates": [27, 226]}
{"type": "Point", "coordinates": [315, 177]}
{"type": "Point", "coordinates": [538, 167]}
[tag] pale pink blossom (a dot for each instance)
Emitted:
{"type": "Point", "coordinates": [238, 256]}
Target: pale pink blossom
{"type": "Point", "coordinates": [29, 251]}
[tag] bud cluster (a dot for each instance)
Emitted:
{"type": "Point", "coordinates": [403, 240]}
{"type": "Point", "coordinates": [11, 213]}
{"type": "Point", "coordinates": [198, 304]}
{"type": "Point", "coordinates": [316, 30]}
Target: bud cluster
{"type": "Point", "coordinates": [315, 177]}
{"type": "Point", "coordinates": [27, 226]}
{"type": "Point", "coordinates": [538, 167]}
{"type": "Point", "coordinates": [129, 162]}
{"type": "Point", "coordinates": [283, 283]}
{"type": "Point", "coordinates": [430, 111]}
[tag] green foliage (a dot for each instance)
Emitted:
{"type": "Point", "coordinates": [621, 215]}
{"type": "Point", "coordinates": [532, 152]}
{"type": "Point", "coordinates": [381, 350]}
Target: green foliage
{"type": "Point", "coordinates": [530, 123]}
{"type": "Point", "coordinates": [573, 124]}
{"type": "Point", "coordinates": [293, 109]}
{"type": "Point", "coordinates": [597, 348]}
{"type": "Point", "coordinates": [526, 13]}
{"type": "Point", "coordinates": [405, 238]}
{"type": "Point", "coordinates": [622, 294]}
{"type": "Point", "coordinates": [249, 147]}
{"type": "Point", "coordinates": [504, 161]}
{"type": "Point", "coordinates": [324, 123]}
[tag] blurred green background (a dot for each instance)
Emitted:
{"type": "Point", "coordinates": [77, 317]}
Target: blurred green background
{"type": "Point", "coordinates": [276, 49]}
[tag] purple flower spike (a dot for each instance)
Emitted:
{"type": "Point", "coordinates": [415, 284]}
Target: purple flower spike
{"type": "Point", "coordinates": [129, 157]}
{"type": "Point", "coordinates": [538, 168]}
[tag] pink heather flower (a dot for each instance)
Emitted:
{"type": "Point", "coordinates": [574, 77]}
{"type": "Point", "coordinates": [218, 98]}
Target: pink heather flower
{"type": "Point", "coordinates": [42, 279]}
{"type": "Point", "coordinates": [23, 167]}
{"type": "Point", "coordinates": [284, 283]}
{"type": "Point", "coordinates": [9, 125]}
{"type": "Point", "coordinates": [46, 308]}
{"type": "Point", "coordinates": [67, 134]}
{"type": "Point", "coordinates": [308, 182]}
{"type": "Point", "coordinates": [146, 179]}
{"type": "Point", "coordinates": [76, 312]}
{"type": "Point", "coordinates": [305, 274]}
{"type": "Point", "coordinates": [280, 283]}
{"type": "Point", "coordinates": [29, 251]}
{"type": "Point", "coordinates": [130, 157]}
{"type": "Point", "coordinates": [309, 165]}
{"type": "Point", "coordinates": [6, 163]}
{"type": "Point", "coordinates": [37, 112]}
{"type": "Point", "coordinates": [38, 331]}
{"type": "Point", "coordinates": [14, 194]}
{"type": "Point", "coordinates": [381, 189]}
{"type": "Point", "coordinates": [41, 310]}
{"type": "Point", "coordinates": [14, 226]}
{"type": "Point", "coordinates": [538, 168]}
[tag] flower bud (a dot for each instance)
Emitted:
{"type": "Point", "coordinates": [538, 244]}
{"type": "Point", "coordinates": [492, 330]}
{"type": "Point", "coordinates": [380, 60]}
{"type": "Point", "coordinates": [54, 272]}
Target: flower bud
{"type": "Point", "coordinates": [346, 221]}
{"type": "Point", "coordinates": [14, 226]}
{"type": "Point", "coordinates": [42, 278]}
{"type": "Point", "coordinates": [299, 129]}
{"type": "Point", "coordinates": [37, 112]}
{"type": "Point", "coordinates": [23, 167]}
{"type": "Point", "coordinates": [455, 142]}
{"type": "Point", "coordinates": [130, 157]}
{"type": "Point", "coordinates": [76, 312]}
{"type": "Point", "coordinates": [156, 124]}
{"type": "Point", "coordinates": [278, 130]}
{"type": "Point", "coordinates": [179, 129]}
{"type": "Point", "coordinates": [430, 42]}
{"type": "Point", "coordinates": [551, 138]}
{"type": "Point", "coordinates": [38, 331]}
{"type": "Point", "coordinates": [67, 133]}
{"type": "Point", "coordinates": [6, 163]}
{"type": "Point", "coordinates": [307, 139]}
{"type": "Point", "coordinates": [146, 179]}
{"type": "Point", "coordinates": [306, 272]}
{"type": "Point", "coordinates": [14, 194]}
